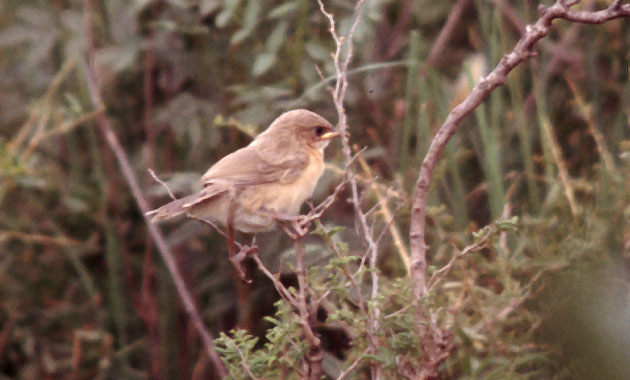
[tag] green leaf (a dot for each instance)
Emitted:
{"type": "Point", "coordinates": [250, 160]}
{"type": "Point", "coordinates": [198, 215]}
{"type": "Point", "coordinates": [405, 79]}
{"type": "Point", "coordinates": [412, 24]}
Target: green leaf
{"type": "Point", "coordinates": [278, 38]}
{"type": "Point", "coordinates": [317, 51]}
{"type": "Point", "coordinates": [224, 18]}
{"type": "Point", "coordinates": [263, 63]}
{"type": "Point", "coordinates": [326, 231]}
{"type": "Point", "coordinates": [283, 10]}
{"type": "Point", "coordinates": [250, 19]}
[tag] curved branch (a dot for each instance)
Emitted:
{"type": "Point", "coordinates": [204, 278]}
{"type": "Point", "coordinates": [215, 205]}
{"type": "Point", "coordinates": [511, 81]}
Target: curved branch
{"type": "Point", "coordinates": [523, 50]}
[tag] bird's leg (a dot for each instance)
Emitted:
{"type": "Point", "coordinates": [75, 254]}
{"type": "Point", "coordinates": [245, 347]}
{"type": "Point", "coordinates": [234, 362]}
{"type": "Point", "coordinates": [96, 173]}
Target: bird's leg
{"type": "Point", "coordinates": [235, 257]}
{"type": "Point", "coordinates": [244, 250]}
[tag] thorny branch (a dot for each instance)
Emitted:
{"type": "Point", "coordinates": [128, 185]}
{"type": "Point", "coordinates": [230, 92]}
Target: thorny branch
{"type": "Point", "coordinates": [365, 231]}
{"type": "Point", "coordinates": [132, 181]}
{"type": "Point", "coordinates": [524, 49]}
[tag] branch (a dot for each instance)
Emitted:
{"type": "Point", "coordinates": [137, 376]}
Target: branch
{"type": "Point", "coordinates": [614, 11]}
{"type": "Point", "coordinates": [388, 216]}
{"type": "Point", "coordinates": [352, 366]}
{"type": "Point", "coordinates": [366, 233]}
{"type": "Point", "coordinates": [476, 246]}
{"type": "Point", "coordinates": [244, 363]}
{"type": "Point", "coordinates": [523, 50]}
{"type": "Point", "coordinates": [282, 290]}
{"type": "Point", "coordinates": [132, 182]}
{"type": "Point", "coordinates": [314, 355]}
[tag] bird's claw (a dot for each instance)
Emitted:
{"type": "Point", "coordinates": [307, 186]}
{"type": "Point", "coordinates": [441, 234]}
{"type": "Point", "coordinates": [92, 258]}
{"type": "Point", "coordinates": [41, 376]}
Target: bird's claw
{"type": "Point", "coordinates": [236, 263]}
{"type": "Point", "coordinates": [237, 259]}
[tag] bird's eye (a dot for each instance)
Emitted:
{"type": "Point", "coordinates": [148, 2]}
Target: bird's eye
{"type": "Point", "coordinates": [319, 131]}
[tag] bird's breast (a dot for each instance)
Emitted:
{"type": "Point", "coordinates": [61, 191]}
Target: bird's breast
{"type": "Point", "coordinates": [286, 198]}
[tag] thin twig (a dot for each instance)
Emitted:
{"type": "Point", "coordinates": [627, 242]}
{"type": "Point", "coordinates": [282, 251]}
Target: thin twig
{"type": "Point", "coordinates": [366, 233]}
{"type": "Point", "coordinates": [41, 117]}
{"type": "Point", "coordinates": [323, 80]}
{"type": "Point", "coordinates": [352, 366]}
{"type": "Point", "coordinates": [158, 180]}
{"type": "Point", "coordinates": [189, 215]}
{"type": "Point", "coordinates": [476, 246]}
{"type": "Point", "coordinates": [351, 280]}
{"type": "Point", "coordinates": [389, 223]}
{"type": "Point", "coordinates": [64, 127]}
{"type": "Point", "coordinates": [244, 363]}
{"type": "Point", "coordinates": [315, 355]}
{"type": "Point", "coordinates": [387, 215]}
{"type": "Point", "coordinates": [282, 290]}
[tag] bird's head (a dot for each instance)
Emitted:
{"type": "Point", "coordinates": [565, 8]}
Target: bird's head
{"type": "Point", "coordinates": [301, 127]}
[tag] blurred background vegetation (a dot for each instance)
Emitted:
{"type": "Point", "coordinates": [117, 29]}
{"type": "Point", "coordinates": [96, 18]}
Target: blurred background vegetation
{"type": "Point", "coordinates": [84, 296]}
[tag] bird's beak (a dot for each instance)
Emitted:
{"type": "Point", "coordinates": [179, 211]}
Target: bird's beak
{"type": "Point", "coordinates": [329, 135]}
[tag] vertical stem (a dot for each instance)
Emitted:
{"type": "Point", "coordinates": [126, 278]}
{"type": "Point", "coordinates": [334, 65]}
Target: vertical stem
{"type": "Point", "coordinates": [315, 355]}
{"type": "Point", "coordinates": [339, 92]}
{"type": "Point", "coordinates": [132, 181]}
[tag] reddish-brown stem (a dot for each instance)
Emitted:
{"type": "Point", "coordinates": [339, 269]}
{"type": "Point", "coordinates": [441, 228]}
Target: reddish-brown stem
{"type": "Point", "coordinates": [132, 181]}
{"type": "Point", "coordinates": [314, 355]}
{"type": "Point", "coordinates": [441, 41]}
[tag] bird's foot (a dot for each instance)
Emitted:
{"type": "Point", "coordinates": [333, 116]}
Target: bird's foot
{"type": "Point", "coordinates": [236, 261]}
{"type": "Point", "coordinates": [237, 258]}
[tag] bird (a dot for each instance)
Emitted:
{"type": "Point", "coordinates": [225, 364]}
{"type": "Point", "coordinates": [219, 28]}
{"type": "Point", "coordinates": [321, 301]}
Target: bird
{"type": "Point", "coordinates": [252, 188]}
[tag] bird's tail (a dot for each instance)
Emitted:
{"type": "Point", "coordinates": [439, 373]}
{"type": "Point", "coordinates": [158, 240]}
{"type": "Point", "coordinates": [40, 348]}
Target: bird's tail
{"type": "Point", "coordinates": [172, 209]}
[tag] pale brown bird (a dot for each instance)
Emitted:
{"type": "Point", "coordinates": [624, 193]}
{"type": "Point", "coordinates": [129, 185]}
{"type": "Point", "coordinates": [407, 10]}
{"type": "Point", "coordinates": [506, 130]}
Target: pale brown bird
{"type": "Point", "coordinates": [253, 187]}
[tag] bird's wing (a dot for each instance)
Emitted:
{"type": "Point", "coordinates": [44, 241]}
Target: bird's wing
{"type": "Point", "coordinates": [250, 166]}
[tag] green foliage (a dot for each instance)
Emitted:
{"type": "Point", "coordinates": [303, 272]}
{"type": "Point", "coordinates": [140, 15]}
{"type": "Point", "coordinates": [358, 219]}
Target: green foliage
{"type": "Point", "coordinates": [476, 320]}
{"type": "Point", "coordinates": [280, 354]}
